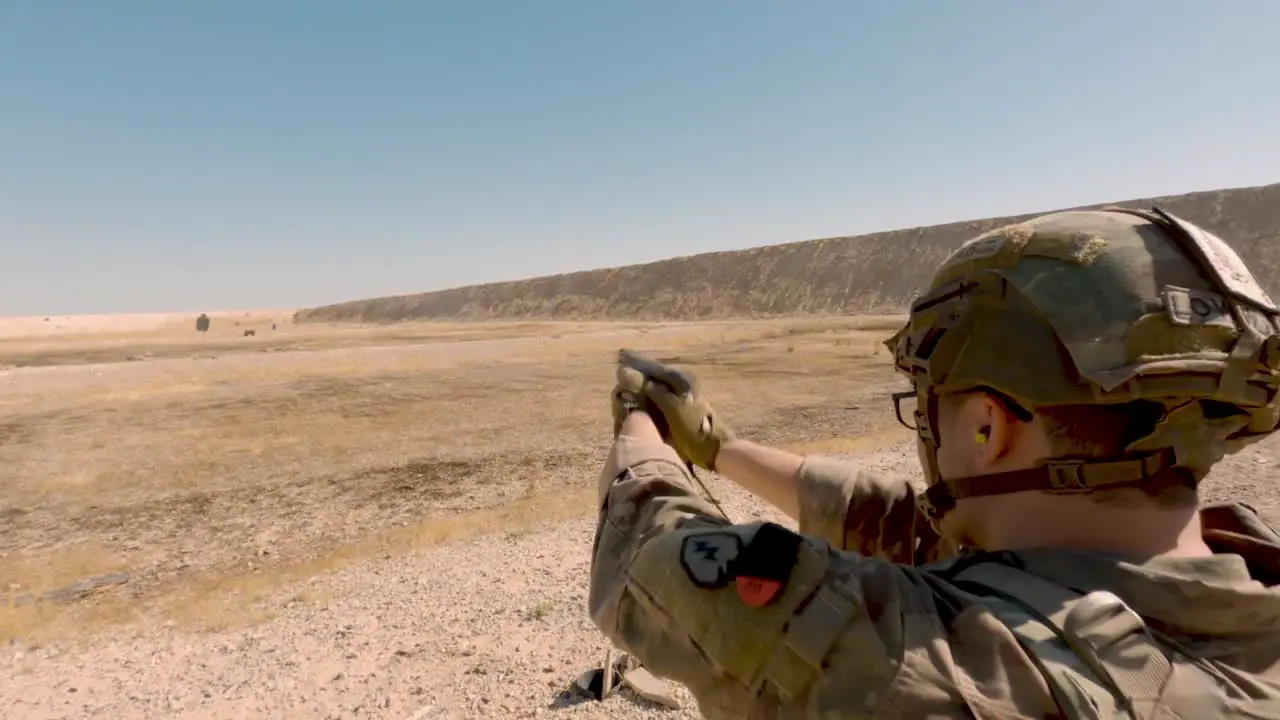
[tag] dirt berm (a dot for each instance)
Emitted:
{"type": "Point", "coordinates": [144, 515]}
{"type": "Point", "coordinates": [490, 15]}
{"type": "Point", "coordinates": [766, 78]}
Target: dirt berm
{"type": "Point", "coordinates": [877, 273]}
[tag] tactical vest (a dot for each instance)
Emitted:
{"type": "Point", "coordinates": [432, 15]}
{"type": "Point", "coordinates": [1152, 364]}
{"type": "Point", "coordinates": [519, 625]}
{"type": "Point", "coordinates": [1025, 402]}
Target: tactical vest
{"type": "Point", "coordinates": [1101, 660]}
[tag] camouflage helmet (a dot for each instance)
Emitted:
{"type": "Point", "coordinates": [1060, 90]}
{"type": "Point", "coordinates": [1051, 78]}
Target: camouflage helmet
{"type": "Point", "coordinates": [1098, 307]}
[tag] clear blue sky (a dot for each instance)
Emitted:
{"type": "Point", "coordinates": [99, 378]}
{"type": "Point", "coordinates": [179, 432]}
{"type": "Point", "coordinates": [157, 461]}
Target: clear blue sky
{"type": "Point", "coordinates": [231, 154]}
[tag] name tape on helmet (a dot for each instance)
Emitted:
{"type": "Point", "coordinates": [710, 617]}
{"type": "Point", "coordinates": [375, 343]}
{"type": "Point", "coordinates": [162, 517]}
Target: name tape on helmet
{"type": "Point", "coordinates": [1202, 307]}
{"type": "Point", "coordinates": [1197, 307]}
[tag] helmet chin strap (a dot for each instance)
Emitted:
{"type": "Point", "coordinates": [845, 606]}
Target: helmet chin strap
{"type": "Point", "coordinates": [1054, 475]}
{"type": "Point", "coordinates": [1060, 476]}
{"type": "Point", "coordinates": [937, 499]}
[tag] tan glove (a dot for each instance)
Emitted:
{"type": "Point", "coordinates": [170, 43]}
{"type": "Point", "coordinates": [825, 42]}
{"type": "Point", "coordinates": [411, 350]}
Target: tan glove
{"type": "Point", "coordinates": [694, 430]}
{"type": "Point", "coordinates": [627, 396]}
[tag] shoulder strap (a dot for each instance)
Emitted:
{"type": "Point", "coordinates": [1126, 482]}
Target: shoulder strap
{"type": "Point", "coordinates": [1094, 650]}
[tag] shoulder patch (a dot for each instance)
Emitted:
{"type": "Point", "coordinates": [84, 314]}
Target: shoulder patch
{"type": "Point", "coordinates": [759, 569]}
{"type": "Point", "coordinates": [707, 558]}
{"type": "Point", "coordinates": [752, 608]}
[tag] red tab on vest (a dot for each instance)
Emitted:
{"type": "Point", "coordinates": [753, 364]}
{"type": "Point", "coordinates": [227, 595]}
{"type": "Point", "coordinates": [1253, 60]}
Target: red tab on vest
{"type": "Point", "coordinates": [758, 592]}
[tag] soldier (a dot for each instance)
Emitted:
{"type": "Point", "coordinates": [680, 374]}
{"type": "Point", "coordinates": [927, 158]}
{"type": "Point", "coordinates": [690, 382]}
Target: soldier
{"type": "Point", "coordinates": [1073, 378]}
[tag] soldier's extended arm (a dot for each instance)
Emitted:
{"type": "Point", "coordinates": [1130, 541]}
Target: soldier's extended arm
{"type": "Point", "coordinates": [744, 615]}
{"type": "Point", "coordinates": [771, 474]}
{"type": "Point", "coordinates": [872, 514]}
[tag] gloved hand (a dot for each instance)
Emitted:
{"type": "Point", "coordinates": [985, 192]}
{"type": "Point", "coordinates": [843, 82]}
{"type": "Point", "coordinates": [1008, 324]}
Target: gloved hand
{"type": "Point", "coordinates": [628, 395]}
{"type": "Point", "coordinates": [694, 430]}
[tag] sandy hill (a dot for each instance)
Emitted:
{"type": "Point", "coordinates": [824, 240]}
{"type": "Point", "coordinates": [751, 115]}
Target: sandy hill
{"type": "Point", "coordinates": [877, 273]}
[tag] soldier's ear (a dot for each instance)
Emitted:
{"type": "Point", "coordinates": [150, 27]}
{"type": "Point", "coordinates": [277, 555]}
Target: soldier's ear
{"type": "Point", "coordinates": [989, 427]}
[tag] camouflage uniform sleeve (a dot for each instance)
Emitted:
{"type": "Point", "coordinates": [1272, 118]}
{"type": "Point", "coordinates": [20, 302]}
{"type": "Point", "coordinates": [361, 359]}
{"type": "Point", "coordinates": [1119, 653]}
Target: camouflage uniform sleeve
{"type": "Point", "coordinates": [868, 513]}
{"type": "Point", "coordinates": [743, 615]}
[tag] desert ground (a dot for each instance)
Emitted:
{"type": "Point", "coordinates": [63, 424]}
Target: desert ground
{"type": "Point", "coordinates": [373, 521]}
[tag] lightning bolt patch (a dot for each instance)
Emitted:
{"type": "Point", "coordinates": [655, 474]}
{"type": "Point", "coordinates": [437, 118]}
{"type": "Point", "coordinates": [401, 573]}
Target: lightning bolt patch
{"type": "Point", "coordinates": [707, 558]}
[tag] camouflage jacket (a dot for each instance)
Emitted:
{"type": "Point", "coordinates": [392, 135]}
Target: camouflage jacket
{"type": "Point", "coordinates": [761, 622]}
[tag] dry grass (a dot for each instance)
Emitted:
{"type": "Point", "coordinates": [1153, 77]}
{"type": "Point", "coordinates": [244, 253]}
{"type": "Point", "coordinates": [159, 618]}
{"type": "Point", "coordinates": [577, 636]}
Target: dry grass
{"type": "Point", "coordinates": [217, 481]}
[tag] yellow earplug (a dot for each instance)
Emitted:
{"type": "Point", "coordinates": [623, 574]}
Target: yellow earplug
{"type": "Point", "coordinates": [979, 438]}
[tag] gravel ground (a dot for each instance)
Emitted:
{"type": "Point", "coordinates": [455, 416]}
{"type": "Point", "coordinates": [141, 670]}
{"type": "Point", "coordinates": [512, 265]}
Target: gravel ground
{"type": "Point", "coordinates": [490, 628]}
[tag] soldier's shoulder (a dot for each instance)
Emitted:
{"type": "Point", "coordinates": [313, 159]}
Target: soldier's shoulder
{"type": "Point", "coordinates": [768, 604]}
{"type": "Point", "coordinates": [759, 566]}
{"type": "Point", "coordinates": [782, 614]}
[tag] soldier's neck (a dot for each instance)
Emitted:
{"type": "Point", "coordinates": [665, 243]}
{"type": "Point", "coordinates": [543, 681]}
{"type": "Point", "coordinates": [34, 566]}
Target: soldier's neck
{"type": "Point", "coordinates": [1076, 523]}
